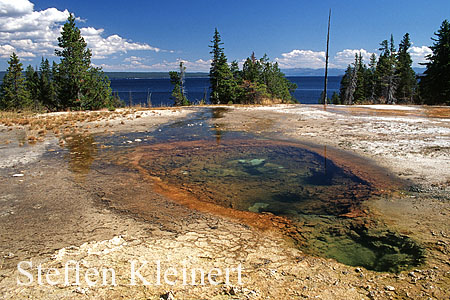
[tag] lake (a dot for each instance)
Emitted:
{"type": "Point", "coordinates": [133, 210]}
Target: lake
{"type": "Point", "coordinates": [159, 89]}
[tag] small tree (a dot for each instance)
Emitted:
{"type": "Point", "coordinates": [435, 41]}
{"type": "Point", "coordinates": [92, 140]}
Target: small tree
{"type": "Point", "coordinates": [371, 78]}
{"type": "Point", "coordinates": [234, 68]}
{"type": "Point", "coordinates": [435, 85]}
{"type": "Point", "coordinates": [358, 82]}
{"type": "Point", "coordinates": [321, 98]}
{"type": "Point", "coordinates": [97, 92]}
{"type": "Point", "coordinates": [348, 84]}
{"type": "Point", "coordinates": [386, 73]}
{"type": "Point", "coordinates": [178, 93]}
{"type": "Point", "coordinates": [252, 69]}
{"type": "Point", "coordinates": [253, 92]}
{"type": "Point", "coordinates": [13, 93]}
{"type": "Point", "coordinates": [47, 94]}
{"type": "Point", "coordinates": [344, 84]}
{"type": "Point", "coordinates": [335, 99]}
{"type": "Point", "coordinates": [360, 88]}
{"type": "Point", "coordinates": [32, 86]}
{"type": "Point", "coordinates": [277, 85]}
{"type": "Point", "coordinates": [262, 78]}
{"type": "Point", "coordinates": [405, 74]}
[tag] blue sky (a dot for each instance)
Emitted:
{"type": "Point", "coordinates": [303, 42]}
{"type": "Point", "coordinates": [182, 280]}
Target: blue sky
{"type": "Point", "coordinates": [154, 35]}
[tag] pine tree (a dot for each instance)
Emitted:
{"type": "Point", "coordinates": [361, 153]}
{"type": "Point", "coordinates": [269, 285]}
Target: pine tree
{"type": "Point", "coordinates": [32, 86]}
{"type": "Point", "coordinates": [253, 92]}
{"type": "Point", "coordinates": [252, 69]}
{"type": "Point", "coordinates": [47, 94]}
{"type": "Point", "coordinates": [385, 72]}
{"type": "Point", "coordinates": [335, 99]}
{"type": "Point", "coordinates": [277, 85]}
{"type": "Point", "coordinates": [56, 80]}
{"type": "Point", "coordinates": [371, 79]}
{"type": "Point", "coordinates": [262, 80]}
{"type": "Point", "coordinates": [227, 83]}
{"type": "Point", "coordinates": [13, 93]}
{"type": "Point", "coordinates": [345, 84]}
{"type": "Point", "coordinates": [234, 68]}
{"type": "Point", "coordinates": [221, 78]}
{"type": "Point", "coordinates": [435, 85]}
{"type": "Point", "coordinates": [97, 91]}
{"type": "Point", "coordinates": [360, 88]}
{"type": "Point", "coordinates": [348, 84]}
{"type": "Point", "coordinates": [267, 70]}
{"type": "Point", "coordinates": [214, 76]}
{"type": "Point", "coordinates": [77, 85]}
{"type": "Point", "coordinates": [405, 74]}
{"type": "Point", "coordinates": [357, 84]}
{"type": "Point", "coordinates": [74, 65]}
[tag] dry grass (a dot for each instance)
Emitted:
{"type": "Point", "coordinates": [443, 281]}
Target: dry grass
{"type": "Point", "coordinates": [38, 126]}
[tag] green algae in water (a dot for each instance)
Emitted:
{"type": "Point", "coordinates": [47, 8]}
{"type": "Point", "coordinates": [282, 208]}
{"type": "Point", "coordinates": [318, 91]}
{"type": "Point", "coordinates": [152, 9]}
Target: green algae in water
{"type": "Point", "coordinates": [376, 248]}
{"type": "Point", "coordinates": [289, 181]}
{"type": "Point", "coordinates": [252, 162]}
{"type": "Point", "coordinates": [266, 176]}
{"type": "Point", "coordinates": [257, 207]}
{"type": "Point", "coordinates": [239, 171]}
{"type": "Point", "coordinates": [236, 170]}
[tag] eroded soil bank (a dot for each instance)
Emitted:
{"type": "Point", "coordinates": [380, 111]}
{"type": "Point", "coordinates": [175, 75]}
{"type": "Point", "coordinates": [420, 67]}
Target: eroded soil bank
{"type": "Point", "coordinates": [71, 200]}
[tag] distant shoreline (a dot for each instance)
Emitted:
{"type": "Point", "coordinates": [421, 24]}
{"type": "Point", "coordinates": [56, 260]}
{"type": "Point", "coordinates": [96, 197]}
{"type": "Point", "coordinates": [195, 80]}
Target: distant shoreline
{"type": "Point", "coordinates": [298, 72]}
{"type": "Point", "coordinates": [131, 76]}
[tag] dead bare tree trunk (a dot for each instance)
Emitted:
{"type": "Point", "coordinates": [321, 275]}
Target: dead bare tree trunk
{"type": "Point", "coordinates": [326, 63]}
{"type": "Point", "coordinates": [349, 92]}
{"type": "Point", "coordinates": [391, 88]}
{"type": "Point", "coordinates": [182, 69]}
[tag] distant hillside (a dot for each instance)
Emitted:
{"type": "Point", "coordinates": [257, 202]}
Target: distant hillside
{"type": "Point", "coordinates": [287, 72]}
{"type": "Point", "coordinates": [419, 71]}
{"type": "Point", "coordinates": [140, 75]}
{"type": "Point", "coordinates": [321, 72]}
{"type": "Point", "coordinates": [150, 75]}
{"type": "Point", "coordinates": [312, 72]}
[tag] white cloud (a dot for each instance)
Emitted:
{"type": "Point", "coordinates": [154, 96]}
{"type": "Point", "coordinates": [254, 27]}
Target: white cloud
{"type": "Point", "coordinates": [347, 56]}
{"type": "Point", "coordinates": [134, 63]}
{"type": "Point", "coordinates": [35, 33]}
{"type": "Point", "coordinates": [316, 59]}
{"type": "Point", "coordinates": [102, 47]}
{"type": "Point", "coordinates": [15, 7]}
{"type": "Point", "coordinates": [302, 59]}
{"type": "Point", "coordinates": [418, 54]}
{"type": "Point", "coordinates": [7, 50]}
{"type": "Point", "coordinates": [134, 59]}
{"type": "Point", "coordinates": [198, 65]}
{"type": "Point", "coordinates": [31, 31]}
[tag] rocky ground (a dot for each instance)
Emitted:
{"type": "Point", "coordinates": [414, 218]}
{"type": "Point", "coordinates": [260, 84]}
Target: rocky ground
{"type": "Point", "coordinates": [54, 209]}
